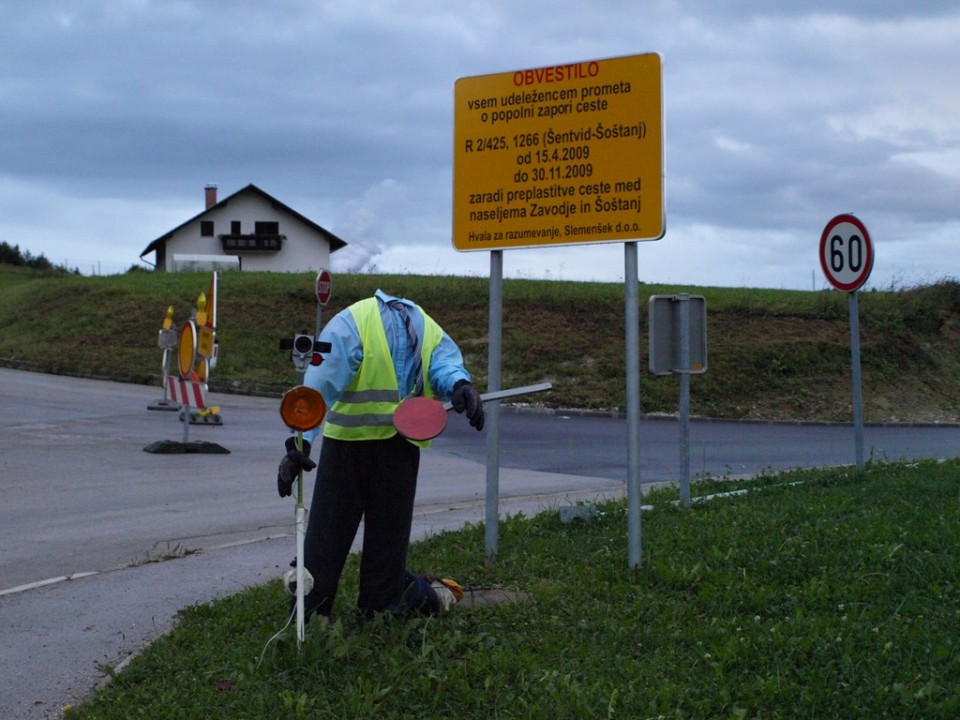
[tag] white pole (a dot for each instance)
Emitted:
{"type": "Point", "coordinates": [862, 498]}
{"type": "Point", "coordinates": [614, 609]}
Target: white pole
{"type": "Point", "coordinates": [301, 519]}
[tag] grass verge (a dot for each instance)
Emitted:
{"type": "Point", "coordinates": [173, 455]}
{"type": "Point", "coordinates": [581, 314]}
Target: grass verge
{"type": "Point", "coordinates": [773, 354]}
{"type": "Point", "coordinates": [817, 594]}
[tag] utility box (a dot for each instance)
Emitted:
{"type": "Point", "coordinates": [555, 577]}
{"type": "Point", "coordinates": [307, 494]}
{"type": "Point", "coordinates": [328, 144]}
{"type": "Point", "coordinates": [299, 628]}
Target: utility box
{"type": "Point", "coordinates": [666, 334]}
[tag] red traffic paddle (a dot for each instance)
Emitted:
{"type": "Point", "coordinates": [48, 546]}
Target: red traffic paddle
{"type": "Point", "coordinates": [421, 418]}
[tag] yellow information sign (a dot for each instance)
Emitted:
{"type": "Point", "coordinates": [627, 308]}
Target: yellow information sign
{"type": "Point", "coordinates": [559, 155]}
{"type": "Point", "coordinates": [204, 341]}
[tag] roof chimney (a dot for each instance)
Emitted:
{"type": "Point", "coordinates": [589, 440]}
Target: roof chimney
{"type": "Point", "coordinates": [210, 193]}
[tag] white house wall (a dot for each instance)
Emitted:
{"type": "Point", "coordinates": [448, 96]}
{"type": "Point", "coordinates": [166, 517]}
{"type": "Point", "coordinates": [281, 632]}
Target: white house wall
{"type": "Point", "coordinates": [303, 250]}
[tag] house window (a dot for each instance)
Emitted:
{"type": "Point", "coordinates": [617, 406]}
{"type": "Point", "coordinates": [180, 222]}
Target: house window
{"type": "Point", "coordinates": [251, 243]}
{"type": "Point", "coordinates": [206, 228]}
{"type": "Point", "coordinates": [234, 227]}
{"type": "Point", "coordinates": [264, 227]}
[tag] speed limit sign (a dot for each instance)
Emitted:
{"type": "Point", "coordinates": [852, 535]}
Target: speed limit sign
{"type": "Point", "coordinates": [846, 253]}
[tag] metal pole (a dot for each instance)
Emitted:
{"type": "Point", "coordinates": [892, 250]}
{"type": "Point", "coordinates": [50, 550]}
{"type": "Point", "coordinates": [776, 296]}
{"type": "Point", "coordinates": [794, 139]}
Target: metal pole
{"type": "Point", "coordinates": [185, 416]}
{"type": "Point", "coordinates": [508, 393]}
{"type": "Point", "coordinates": [684, 300]}
{"type": "Point", "coordinates": [855, 373]}
{"type": "Point", "coordinates": [317, 327]}
{"type": "Point", "coordinates": [165, 375]}
{"type": "Point", "coordinates": [632, 314]}
{"type": "Point", "coordinates": [300, 516]}
{"type": "Point", "coordinates": [494, 350]}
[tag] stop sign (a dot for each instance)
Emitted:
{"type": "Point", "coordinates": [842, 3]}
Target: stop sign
{"type": "Point", "coordinates": [324, 286]}
{"type": "Point", "coordinates": [846, 253]}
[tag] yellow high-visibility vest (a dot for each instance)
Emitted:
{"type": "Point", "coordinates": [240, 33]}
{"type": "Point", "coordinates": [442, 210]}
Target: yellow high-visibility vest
{"type": "Point", "coordinates": [365, 409]}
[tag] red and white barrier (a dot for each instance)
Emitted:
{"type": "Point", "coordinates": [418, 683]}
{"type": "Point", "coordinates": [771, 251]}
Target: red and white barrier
{"type": "Point", "coordinates": [187, 392]}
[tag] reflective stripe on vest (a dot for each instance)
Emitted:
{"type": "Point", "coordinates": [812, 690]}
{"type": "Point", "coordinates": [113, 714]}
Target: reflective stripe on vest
{"type": "Point", "coordinates": [365, 409]}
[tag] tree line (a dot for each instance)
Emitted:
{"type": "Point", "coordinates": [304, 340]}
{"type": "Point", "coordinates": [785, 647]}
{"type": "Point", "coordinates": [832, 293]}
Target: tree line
{"type": "Point", "coordinates": [12, 255]}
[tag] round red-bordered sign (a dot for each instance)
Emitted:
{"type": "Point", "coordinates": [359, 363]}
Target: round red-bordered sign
{"type": "Point", "coordinates": [846, 253]}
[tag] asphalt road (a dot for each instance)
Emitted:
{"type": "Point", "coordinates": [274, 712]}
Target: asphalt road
{"type": "Point", "coordinates": [596, 446]}
{"type": "Point", "coordinates": [102, 543]}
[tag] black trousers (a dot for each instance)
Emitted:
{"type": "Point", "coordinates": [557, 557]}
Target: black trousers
{"type": "Point", "coordinates": [375, 480]}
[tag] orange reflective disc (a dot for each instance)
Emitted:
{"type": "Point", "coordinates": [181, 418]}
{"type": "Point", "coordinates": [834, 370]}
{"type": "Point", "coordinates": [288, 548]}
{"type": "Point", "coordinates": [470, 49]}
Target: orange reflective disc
{"type": "Point", "coordinates": [187, 349]}
{"type": "Point", "coordinates": [302, 408]}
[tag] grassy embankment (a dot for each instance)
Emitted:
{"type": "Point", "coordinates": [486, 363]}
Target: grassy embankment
{"type": "Point", "coordinates": [773, 354]}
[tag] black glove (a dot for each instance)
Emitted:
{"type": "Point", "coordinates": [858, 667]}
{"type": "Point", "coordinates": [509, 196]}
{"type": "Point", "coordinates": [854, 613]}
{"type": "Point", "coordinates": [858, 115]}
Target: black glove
{"type": "Point", "coordinates": [466, 398]}
{"type": "Point", "coordinates": [292, 464]}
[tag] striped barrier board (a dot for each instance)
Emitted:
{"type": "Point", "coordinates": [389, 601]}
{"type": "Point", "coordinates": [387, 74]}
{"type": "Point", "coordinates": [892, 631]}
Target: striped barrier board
{"type": "Point", "coordinates": [187, 392]}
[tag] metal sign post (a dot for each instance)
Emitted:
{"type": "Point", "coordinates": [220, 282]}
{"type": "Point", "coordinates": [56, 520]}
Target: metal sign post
{"type": "Point", "coordinates": [854, 308]}
{"type": "Point", "coordinates": [846, 257]}
{"type": "Point", "coordinates": [678, 344]}
{"type": "Point", "coordinates": [562, 155]}
{"type": "Point", "coordinates": [167, 341]}
{"type": "Point", "coordinates": [494, 352]}
{"type": "Point", "coordinates": [684, 316]}
{"type": "Point", "coordinates": [324, 286]}
{"type": "Point", "coordinates": [634, 490]}
{"type": "Point", "coordinates": [305, 350]}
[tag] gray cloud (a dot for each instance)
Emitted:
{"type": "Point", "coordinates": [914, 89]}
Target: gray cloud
{"type": "Point", "coordinates": [778, 116]}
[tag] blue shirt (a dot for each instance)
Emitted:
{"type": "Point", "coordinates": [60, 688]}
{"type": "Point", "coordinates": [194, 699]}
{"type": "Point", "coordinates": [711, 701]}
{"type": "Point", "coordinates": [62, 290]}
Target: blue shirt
{"type": "Point", "coordinates": [341, 364]}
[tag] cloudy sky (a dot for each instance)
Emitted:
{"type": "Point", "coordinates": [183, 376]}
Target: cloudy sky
{"type": "Point", "coordinates": [114, 114]}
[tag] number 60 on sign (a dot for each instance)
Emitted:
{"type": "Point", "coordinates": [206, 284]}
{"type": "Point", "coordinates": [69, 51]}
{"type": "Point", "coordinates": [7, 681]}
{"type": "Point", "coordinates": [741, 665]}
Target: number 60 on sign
{"type": "Point", "coordinates": [846, 253]}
